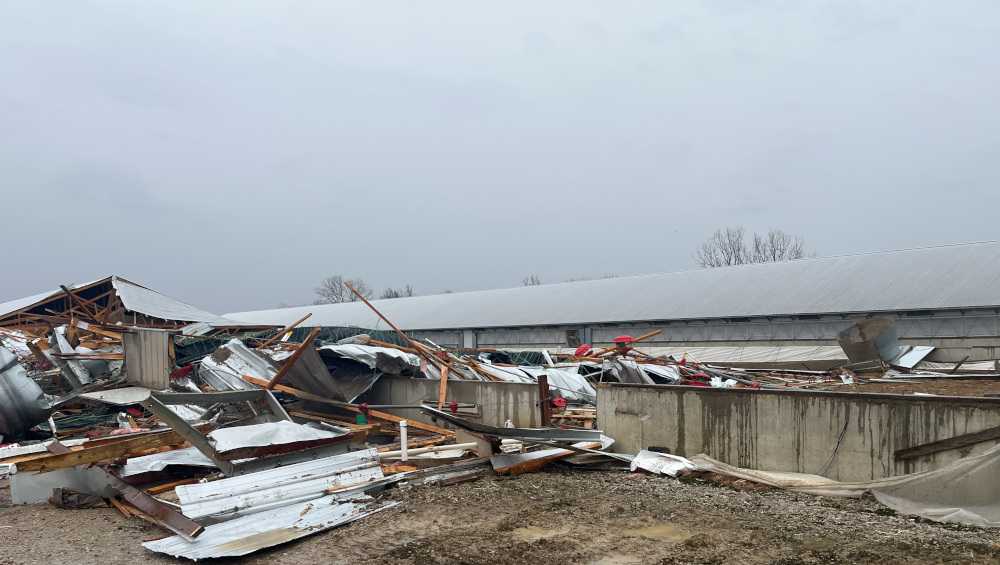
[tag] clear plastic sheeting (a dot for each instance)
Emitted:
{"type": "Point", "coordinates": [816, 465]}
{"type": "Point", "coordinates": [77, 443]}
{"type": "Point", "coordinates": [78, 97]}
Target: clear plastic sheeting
{"type": "Point", "coordinates": [963, 492]}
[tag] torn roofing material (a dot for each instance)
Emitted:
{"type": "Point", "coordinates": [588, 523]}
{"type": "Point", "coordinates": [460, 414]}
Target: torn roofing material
{"type": "Point", "coordinates": [22, 402]}
{"type": "Point", "coordinates": [242, 536]}
{"type": "Point", "coordinates": [134, 297]}
{"type": "Point", "coordinates": [266, 490]}
{"type": "Point", "coordinates": [947, 277]}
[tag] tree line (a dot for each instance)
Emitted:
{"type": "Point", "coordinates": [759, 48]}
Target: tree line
{"type": "Point", "coordinates": [726, 247]}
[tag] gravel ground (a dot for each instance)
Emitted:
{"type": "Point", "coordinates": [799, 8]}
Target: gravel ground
{"type": "Point", "coordinates": [610, 518]}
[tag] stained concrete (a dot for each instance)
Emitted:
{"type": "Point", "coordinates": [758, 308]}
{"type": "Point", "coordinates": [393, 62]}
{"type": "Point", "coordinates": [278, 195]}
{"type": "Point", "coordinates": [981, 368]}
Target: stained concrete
{"type": "Point", "coordinates": [496, 402]}
{"type": "Point", "coordinates": [845, 436]}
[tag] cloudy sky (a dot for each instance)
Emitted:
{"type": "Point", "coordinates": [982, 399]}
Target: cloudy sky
{"type": "Point", "coordinates": [232, 154]}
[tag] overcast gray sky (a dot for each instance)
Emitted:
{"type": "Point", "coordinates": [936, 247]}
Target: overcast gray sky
{"type": "Point", "coordinates": [232, 154]}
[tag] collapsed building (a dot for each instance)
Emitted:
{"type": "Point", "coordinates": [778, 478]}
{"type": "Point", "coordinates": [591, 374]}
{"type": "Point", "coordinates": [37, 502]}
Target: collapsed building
{"type": "Point", "coordinates": [238, 432]}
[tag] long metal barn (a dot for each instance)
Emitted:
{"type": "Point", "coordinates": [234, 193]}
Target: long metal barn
{"type": "Point", "coordinates": [779, 313]}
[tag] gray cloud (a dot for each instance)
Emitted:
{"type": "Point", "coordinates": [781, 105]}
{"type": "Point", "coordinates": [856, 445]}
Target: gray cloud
{"type": "Point", "coordinates": [233, 154]}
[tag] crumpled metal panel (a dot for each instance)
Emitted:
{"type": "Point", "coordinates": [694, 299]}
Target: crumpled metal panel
{"type": "Point", "coordinates": [246, 535]}
{"type": "Point", "coordinates": [567, 383]}
{"type": "Point", "coordinates": [222, 369]}
{"type": "Point", "coordinates": [22, 402]}
{"type": "Point", "coordinates": [274, 488]}
{"type": "Point", "coordinates": [269, 433]}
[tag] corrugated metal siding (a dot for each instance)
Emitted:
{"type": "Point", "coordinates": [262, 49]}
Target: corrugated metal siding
{"type": "Point", "coordinates": [951, 277]}
{"type": "Point", "coordinates": [147, 358]}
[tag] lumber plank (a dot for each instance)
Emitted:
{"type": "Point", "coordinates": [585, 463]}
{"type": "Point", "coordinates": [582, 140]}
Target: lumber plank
{"type": "Point", "coordinates": [89, 455]}
{"type": "Point", "coordinates": [350, 407]}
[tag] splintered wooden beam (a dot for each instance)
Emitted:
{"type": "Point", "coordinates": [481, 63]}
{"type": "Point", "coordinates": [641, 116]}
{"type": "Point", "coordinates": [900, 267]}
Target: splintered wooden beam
{"type": "Point", "coordinates": [956, 442]}
{"type": "Point", "coordinates": [443, 388]}
{"type": "Point", "coordinates": [284, 331]}
{"type": "Point", "coordinates": [533, 461]}
{"type": "Point", "coordinates": [86, 455]}
{"type": "Point", "coordinates": [349, 407]}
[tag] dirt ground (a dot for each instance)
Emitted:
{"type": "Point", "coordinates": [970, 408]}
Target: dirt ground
{"type": "Point", "coordinates": [606, 517]}
{"type": "Point", "coordinates": [942, 387]}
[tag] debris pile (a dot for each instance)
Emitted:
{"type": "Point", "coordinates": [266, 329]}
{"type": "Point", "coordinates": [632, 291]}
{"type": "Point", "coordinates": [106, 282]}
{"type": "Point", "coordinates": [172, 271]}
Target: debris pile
{"type": "Point", "coordinates": [233, 439]}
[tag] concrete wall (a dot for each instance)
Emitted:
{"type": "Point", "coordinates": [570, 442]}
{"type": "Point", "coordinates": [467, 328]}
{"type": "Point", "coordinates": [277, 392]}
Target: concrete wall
{"type": "Point", "coordinates": [497, 402]}
{"type": "Point", "coordinates": [843, 436]}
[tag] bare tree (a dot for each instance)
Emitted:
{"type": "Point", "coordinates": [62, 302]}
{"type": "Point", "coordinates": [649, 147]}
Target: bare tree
{"type": "Point", "coordinates": [333, 290]}
{"type": "Point", "coordinates": [403, 292]}
{"type": "Point", "coordinates": [730, 247]}
{"type": "Point", "coordinates": [531, 280]}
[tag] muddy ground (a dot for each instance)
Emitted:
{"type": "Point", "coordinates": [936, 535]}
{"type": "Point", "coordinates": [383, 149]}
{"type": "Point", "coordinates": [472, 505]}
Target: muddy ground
{"type": "Point", "coordinates": [558, 516]}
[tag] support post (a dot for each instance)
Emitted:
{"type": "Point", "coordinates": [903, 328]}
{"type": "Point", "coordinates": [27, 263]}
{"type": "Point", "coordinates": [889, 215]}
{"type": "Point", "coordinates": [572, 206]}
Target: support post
{"type": "Point", "coordinates": [403, 455]}
{"type": "Point", "coordinates": [543, 400]}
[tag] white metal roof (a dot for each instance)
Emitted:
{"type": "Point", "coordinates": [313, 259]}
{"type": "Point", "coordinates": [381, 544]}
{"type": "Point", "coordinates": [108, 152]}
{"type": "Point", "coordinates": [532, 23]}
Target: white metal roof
{"type": "Point", "coordinates": [135, 297]}
{"type": "Point", "coordinates": [946, 277]}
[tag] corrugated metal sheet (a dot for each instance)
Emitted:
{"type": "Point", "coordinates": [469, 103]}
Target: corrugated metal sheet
{"type": "Point", "coordinates": [267, 490]}
{"type": "Point", "coordinates": [135, 297]}
{"type": "Point", "coordinates": [21, 303]}
{"type": "Point", "coordinates": [956, 276]}
{"type": "Point", "coordinates": [147, 358]}
{"type": "Point", "coordinates": [246, 535]}
{"type": "Point", "coordinates": [138, 298]}
{"type": "Point", "coordinates": [222, 369]}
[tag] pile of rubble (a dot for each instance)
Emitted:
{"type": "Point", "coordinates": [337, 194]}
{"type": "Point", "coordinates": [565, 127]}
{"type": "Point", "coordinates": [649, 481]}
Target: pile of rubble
{"type": "Point", "coordinates": [234, 439]}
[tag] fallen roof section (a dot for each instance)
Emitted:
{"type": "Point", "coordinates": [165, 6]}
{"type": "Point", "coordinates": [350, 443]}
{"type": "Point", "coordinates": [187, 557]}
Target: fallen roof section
{"type": "Point", "coordinates": [242, 536]}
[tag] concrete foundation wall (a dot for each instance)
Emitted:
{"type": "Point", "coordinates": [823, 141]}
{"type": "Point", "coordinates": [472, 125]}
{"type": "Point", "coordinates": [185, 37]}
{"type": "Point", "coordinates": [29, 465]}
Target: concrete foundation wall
{"type": "Point", "coordinates": [844, 436]}
{"type": "Point", "coordinates": [497, 402]}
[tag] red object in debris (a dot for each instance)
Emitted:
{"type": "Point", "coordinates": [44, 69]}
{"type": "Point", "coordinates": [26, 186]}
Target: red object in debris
{"type": "Point", "coordinates": [623, 340]}
{"type": "Point", "coordinates": [453, 406]}
{"type": "Point", "coordinates": [583, 350]}
{"type": "Point", "coordinates": [700, 375]}
{"type": "Point", "coordinates": [558, 402]}
{"type": "Point", "coordinates": [755, 384]}
{"type": "Point", "coordinates": [134, 412]}
{"type": "Point", "coordinates": [695, 383]}
{"type": "Point", "coordinates": [683, 361]}
{"type": "Point", "coordinates": [363, 407]}
{"type": "Point", "coordinates": [182, 372]}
